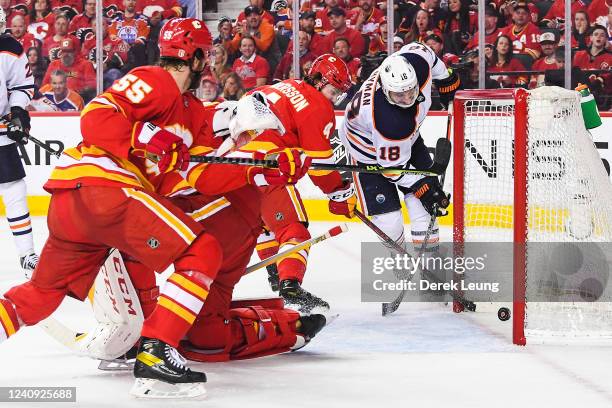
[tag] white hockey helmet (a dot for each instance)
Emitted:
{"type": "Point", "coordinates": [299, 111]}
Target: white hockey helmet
{"type": "Point", "coordinates": [2, 20]}
{"type": "Point", "coordinates": [399, 81]}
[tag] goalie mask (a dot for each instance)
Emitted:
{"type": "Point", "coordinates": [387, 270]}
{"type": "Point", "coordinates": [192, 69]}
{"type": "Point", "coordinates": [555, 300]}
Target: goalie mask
{"type": "Point", "coordinates": [250, 117]}
{"type": "Point", "coordinates": [399, 81]}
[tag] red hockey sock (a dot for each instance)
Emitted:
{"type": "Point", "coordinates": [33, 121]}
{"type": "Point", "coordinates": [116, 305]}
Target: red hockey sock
{"type": "Point", "coordinates": [9, 323]}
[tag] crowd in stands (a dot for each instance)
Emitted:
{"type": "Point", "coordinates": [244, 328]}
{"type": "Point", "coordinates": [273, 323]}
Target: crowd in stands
{"type": "Point", "coordinates": [524, 42]}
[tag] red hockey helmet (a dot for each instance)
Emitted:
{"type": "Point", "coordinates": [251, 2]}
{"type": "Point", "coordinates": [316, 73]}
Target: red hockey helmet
{"type": "Point", "coordinates": [333, 71]}
{"type": "Point", "coordinates": [182, 37]}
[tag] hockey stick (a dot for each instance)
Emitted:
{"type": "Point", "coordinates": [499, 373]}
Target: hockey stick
{"type": "Point", "coordinates": [388, 308]}
{"type": "Point", "coordinates": [337, 230]}
{"type": "Point", "coordinates": [397, 247]}
{"type": "Point", "coordinates": [438, 167]}
{"type": "Point", "coordinates": [56, 153]}
{"type": "Point", "coordinates": [62, 333]}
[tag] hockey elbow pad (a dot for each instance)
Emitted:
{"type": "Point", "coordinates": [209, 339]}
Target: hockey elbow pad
{"type": "Point", "coordinates": [447, 87]}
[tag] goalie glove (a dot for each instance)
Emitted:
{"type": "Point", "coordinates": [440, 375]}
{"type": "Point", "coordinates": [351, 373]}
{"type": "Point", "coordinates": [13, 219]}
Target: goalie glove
{"type": "Point", "coordinates": [291, 167]}
{"type": "Point", "coordinates": [342, 201]}
{"type": "Point", "coordinates": [160, 146]}
{"type": "Point", "coordinates": [431, 195]}
{"type": "Point", "coordinates": [18, 127]}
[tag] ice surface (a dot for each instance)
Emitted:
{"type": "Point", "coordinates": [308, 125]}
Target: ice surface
{"type": "Point", "coordinates": [422, 355]}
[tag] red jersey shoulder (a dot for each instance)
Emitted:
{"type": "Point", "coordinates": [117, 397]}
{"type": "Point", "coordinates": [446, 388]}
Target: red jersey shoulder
{"type": "Point", "coordinates": [151, 80]}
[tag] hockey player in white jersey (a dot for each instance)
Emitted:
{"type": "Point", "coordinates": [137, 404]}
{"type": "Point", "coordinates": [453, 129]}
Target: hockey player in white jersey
{"type": "Point", "coordinates": [16, 91]}
{"type": "Point", "coordinates": [381, 127]}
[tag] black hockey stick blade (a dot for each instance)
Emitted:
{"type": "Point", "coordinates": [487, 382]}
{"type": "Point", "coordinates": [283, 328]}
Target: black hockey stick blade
{"type": "Point", "coordinates": [441, 156]}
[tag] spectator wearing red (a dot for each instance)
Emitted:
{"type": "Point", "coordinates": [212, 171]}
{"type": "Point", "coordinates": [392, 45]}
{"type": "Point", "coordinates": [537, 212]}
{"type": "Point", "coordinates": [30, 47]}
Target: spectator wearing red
{"type": "Point", "coordinates": [581, 30]}
{"type": "Point", "coordinates": [555, 17]}
{"type": "Point", "coordinates": [437, 15]}
{"type": "Point", "coordinates": [322, 21]}
{"type": "Point", "coordinates": [503, 60]}
{"type": "Point", "coordinates": [342, 50]}
{"type": "Point", "coordinates": [9, 11]}
{"type": "Point", "coordinates": [307, 24]}
{"type": "Point", "coordinates": [259, 4]}
{"type": "Point", "coordinates": [22, 6]}
{"type": "Point", "coordinates": [252, 69]}
{"type": "Point", "coordinates": [606, 22]}
{"type": "Point", "coordinates": [523, 33]}
{"type": "Point", "coordinates": [51, 45]}
{"type": "Point", "coordinates": [491, 29]}
{"type": "Point", "coordinates": [421, 25]}
{"type": "Point", "coordinates": [18, 30]}
{"type": "Point", "coordinates": [69, 8]}
{"type": "Point", "coordinates": [337, 18]}
{"type": "Point", "coordinates": [378, 41]}
{"type": "Point", "coordinates": [365, 18]}
{"type": "Point", "coordinates": [83, 21]}
{"type": "Point", "coordinates": [111, 8]}
{"type": "Point", "coordinates": [548, 60]}
{"type": "Point", "coordinates": [255, 27]}
{"type": "Point", "coordinates": [210, 90]}
{"type": "Point", "coordinates": [60, 95]}
{"type": "Point", "coordinates": [505, 9]}
{"type": "Point", "coordinates": [597, 9]}
{"type": "Point", "coordinates": [130, 26]}
{"type": "Point", "coordinates": [284, 67]}
{"type": "Point", "coordinates": [40, 23]}
{"type": "Point", "coordinates": [435, 42]}
{"type": "Point", "coordinates": [80, 72]}
{"type": "Point", "coordinates": [597, 57]}
{"type": "Point", "coordinates": [460, 26]}
{"type": "Point", "coordinates": [163, 9]}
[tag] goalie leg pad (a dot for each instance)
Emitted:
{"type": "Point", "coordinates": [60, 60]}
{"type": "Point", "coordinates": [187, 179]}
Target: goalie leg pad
{"type": "Point", "coordinates": [256, 328]}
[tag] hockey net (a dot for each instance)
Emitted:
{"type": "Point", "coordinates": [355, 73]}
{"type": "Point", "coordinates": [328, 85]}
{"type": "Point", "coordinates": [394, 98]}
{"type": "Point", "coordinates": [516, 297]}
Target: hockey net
{"type": "Point", "coordinates": [526, 171]}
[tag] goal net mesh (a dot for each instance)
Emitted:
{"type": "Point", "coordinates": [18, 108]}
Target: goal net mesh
{"type": "Point", "coordinates": [569, 206]}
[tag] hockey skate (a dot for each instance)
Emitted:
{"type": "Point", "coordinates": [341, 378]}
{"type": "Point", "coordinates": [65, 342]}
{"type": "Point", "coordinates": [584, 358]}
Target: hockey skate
{"type": "Point", "coordinates": [300, 300]}
{"type": "Point", "coordinates": [28, 262]}
{"type": "Point", "coordinates": [273, 277]}
{"type": "Point", "coordinates": [161, 373]}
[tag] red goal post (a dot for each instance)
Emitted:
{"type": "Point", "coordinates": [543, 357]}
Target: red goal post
{"type": "Point", "coordinates": [499, 137]}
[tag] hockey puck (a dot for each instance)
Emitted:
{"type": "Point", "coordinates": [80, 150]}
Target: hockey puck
{"type": "Point", "coordinates": [503, 314]}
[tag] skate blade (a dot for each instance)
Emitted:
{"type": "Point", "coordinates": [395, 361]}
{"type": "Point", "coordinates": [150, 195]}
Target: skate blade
{"type": "Point", "coordinates": [154, 389]}
{"type": "Point", "coordinates": [116, 365]}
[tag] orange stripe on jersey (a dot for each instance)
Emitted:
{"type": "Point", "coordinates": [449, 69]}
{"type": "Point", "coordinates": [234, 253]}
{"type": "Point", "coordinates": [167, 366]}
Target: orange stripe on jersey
{"type": "Point", "coordinates": [265, 245]}
{"type": "Point", "coordinates": [194, 174]}
{"type": "Point", "coordinates": [320, 173]}
{"type": "Point", "coordinates": [357, 141]}
{"type": "Point", "coordinates": [6, 321]}
{"type": "Point", "coordinates": [10, 53]}
{"type": "Point", "coordinates": [189, 286]}
{"type": "Point", "coordinates": [200, 150]}
{"type": "Point", "coordinates": [210, 209]}
{"type": "Point", "coordinates": [319, 154]}
{"type": "Point", "coordinates": [297, 204]}
{"type": "Point", "coordinates": [17, 226]}
{"type": "Point", "coordinates": [177, 309]}
{"type": "Point", "coordinates": [80, 171]}
{"type": "Point", "coordinates": [163, 213]}
{"type": "Point", "coordinates": [258, 146]}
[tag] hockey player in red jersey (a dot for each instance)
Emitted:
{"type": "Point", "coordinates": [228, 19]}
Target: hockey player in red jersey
{"type": "Point", "coordinates": [103, 197]}
{"type": "Point", "coordinates": [306, 112]}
